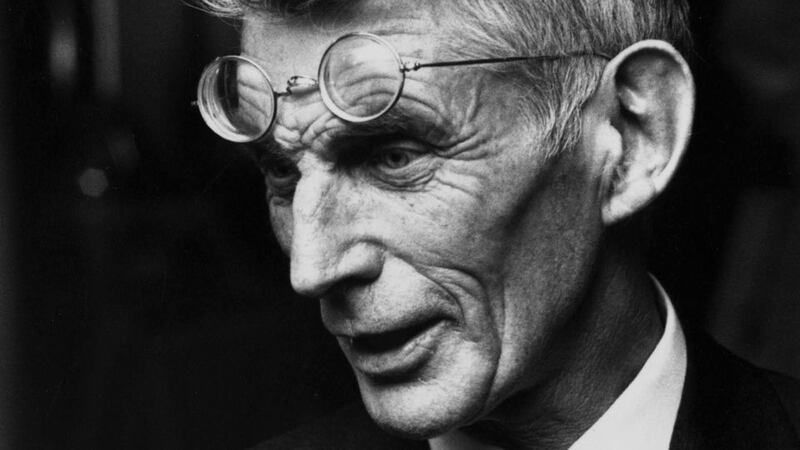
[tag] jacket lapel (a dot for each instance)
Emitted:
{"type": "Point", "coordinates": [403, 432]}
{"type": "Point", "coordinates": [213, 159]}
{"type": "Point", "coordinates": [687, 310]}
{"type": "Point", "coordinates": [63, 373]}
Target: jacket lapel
{"type": "Point", "coordinates": [728, 403]}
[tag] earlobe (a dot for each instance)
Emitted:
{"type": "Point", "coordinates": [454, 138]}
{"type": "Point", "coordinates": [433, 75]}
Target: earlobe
{"type": "Point", "coordinates": [647, 96]}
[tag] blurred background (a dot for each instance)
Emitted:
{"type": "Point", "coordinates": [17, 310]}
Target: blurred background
{"type": "Point", "coordinates": [145, 303]}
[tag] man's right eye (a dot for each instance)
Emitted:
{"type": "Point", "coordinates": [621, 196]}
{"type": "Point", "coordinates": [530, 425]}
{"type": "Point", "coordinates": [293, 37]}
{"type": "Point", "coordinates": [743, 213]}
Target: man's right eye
{"type": "Point", "coordinates": [281, 178]}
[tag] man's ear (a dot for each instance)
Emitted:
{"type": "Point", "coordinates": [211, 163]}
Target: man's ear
{"type": "Point", "coordinates": [644, 106]}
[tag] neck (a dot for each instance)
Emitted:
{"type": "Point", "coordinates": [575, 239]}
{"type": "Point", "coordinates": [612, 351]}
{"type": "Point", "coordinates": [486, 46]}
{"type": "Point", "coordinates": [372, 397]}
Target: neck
{"type": "Point", "coordinates": [600, 351]}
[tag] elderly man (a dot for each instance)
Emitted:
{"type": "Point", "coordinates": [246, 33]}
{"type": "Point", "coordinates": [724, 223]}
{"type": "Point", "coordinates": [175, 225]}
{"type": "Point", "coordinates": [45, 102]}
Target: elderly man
{"type": "Point", "coordinates": [460, 183]}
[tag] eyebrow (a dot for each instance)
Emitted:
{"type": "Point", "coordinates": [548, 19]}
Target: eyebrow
{"type": "Point", "coordinates": [347, 140]}
{"type": "Point", "coordinates": [342, 139]}
{"type": "Point", "coordinates": [409, 115]}
{"type": "Point", "coordinates": [397, 122]}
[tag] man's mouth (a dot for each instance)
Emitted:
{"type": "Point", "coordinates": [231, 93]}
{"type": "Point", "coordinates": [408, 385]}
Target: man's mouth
{"type": "Point", "coordinates": [389, 341]}
{"type": "Point", "coordinates": [396, 353]}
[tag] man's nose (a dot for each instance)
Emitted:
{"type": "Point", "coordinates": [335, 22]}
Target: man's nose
{"type": "Point", "coordinates": [327, 248]}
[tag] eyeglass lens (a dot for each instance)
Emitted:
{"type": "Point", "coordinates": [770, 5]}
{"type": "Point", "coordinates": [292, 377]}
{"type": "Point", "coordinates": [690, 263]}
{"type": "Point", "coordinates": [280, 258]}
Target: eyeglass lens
{"type": "Point", "coordinates": [360, 79]}
{"type": "Point", "coordinates": [236, 99]}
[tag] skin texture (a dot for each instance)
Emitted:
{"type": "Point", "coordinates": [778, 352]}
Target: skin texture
{"type": "Point", "coordinates": [529, 320]}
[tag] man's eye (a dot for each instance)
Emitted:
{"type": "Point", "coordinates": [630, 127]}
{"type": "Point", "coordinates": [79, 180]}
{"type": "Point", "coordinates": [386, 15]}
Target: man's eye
{"type": "Point", "coordinates": [281, 178]}
{"type": "Point", "coordinates": [401, 165]}
{"type": "Point", "coordinates": [395, 158]}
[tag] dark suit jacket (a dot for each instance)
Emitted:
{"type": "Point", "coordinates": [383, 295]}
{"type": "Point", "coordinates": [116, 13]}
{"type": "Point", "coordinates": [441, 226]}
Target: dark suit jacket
{"type": "Point", "coordinates": [727, 403]}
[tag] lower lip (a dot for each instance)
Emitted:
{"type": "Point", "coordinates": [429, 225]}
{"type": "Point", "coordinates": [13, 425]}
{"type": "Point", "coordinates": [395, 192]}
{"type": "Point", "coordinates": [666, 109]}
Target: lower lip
{"type": "Point", "coordinates": [398, 362]}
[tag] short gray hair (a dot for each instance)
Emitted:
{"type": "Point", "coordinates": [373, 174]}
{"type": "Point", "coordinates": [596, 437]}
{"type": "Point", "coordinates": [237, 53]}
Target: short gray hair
{"type": "Point", "coordinates": [554, 92]}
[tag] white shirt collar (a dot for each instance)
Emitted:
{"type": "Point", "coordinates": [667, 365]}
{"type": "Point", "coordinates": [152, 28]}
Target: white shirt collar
{"type": "Point", "coordinates": [643, 416]}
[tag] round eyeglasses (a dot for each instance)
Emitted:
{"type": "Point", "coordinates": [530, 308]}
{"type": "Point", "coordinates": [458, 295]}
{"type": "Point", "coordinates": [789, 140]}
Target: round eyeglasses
{"type": "Point", "coordinates": [360, 78]}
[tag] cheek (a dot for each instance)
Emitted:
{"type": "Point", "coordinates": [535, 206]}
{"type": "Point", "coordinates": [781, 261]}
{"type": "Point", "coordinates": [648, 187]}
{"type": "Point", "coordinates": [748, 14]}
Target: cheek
{"type": "Point", "coordinates": [445, 226]}
{"type": "Point", "coordinates": [548, 267]}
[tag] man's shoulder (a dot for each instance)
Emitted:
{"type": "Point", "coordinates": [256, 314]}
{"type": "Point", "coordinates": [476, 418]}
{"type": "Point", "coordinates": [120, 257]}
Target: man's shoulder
{"type": "Point", "coordinates": [349, 428]}
{"type": "Point", "coordinates": [729, 403]}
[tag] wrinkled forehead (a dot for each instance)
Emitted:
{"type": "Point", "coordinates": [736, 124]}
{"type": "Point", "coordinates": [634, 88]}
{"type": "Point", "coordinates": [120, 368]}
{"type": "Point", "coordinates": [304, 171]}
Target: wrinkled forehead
{"type": "Point", "coordinates": [294, 46]}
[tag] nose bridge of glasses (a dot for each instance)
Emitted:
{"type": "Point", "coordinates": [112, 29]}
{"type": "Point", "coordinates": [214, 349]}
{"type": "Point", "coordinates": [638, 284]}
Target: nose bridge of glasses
{"type": "Point", "coordinates": [410, 65]}
{"type": "Point", "coordinates": [298, 83]}
{"type": "Point", "coordinates": [297, 112]}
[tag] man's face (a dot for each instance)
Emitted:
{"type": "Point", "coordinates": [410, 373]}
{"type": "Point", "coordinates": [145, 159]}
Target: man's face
{"type": "Point", "coordinates": [448, 254]}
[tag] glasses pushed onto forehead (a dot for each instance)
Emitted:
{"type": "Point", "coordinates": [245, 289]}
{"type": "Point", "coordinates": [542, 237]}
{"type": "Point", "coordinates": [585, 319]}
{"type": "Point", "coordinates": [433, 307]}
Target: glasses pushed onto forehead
{"type": "Point", "coordinates": [360, 78]}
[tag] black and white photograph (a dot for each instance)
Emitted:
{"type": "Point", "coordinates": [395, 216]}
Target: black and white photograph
{"type": "Point", "coordinates": [400, 224]}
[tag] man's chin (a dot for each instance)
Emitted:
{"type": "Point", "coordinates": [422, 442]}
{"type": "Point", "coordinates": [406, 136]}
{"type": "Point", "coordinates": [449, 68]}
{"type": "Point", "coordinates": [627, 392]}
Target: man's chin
{"type": "Point", "coordinates": [417, 411]}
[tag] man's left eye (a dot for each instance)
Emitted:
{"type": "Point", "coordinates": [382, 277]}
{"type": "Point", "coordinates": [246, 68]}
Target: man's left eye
{"type": "Point", "coordinates": [395, 158]}
{"type": "Point", "coordinates": [402, 165]}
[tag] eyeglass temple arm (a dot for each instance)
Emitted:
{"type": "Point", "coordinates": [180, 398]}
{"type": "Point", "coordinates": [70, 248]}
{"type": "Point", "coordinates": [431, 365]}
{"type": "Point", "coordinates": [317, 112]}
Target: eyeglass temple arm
{"type": "Point", "coordinates": [416, 65]}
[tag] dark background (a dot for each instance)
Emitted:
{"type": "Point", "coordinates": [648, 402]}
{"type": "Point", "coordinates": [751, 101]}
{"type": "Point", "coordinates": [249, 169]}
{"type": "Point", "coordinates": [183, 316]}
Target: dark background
{"type": "Point", "coordinates": [145, 303]}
